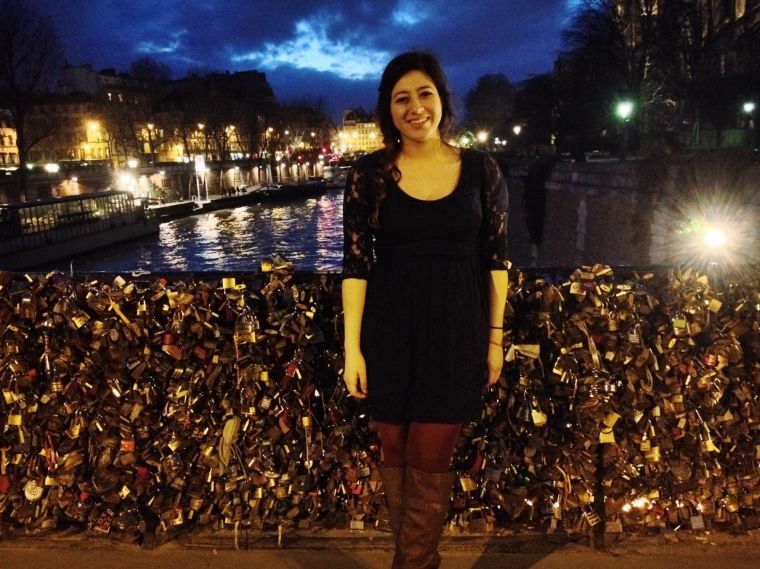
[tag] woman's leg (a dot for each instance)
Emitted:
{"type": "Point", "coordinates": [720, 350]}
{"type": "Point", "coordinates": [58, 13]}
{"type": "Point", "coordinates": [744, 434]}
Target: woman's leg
{"type": "Point", "coordinates": [430, 446]}
{"type": "Point", "coordinates": [392, 443]}
{"type": "Point", "coordinates": [393, 453]}
{"type": "Point", "coordinates": [427, 491]}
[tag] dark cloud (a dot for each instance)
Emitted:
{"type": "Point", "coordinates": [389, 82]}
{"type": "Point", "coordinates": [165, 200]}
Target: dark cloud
{"type": "Point", "coordinates": [334, 49]}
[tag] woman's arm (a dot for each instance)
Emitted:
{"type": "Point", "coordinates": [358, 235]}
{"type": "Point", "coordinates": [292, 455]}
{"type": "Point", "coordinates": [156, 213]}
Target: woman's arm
{"type": "Point", "coordinates": [357, 262]}
{"type": "Point", "coordinates": [496, 207]}
{"type": "Point", "coordinates": [497, 286]}
{"type": "Point", "coordinates": [354, 368]}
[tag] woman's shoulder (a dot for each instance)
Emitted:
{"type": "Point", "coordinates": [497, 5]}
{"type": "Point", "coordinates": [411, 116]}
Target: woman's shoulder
{"type": "Point", "coordinates": [476, 156]}
{"type": "Point", "coordinates": [369, 162]}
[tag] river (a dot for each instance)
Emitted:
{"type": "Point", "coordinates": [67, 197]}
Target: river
{"type": "Point", "coordinates": [308, 233]}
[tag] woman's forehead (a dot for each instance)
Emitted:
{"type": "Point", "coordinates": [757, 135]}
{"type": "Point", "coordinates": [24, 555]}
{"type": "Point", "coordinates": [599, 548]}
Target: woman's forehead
{"type": "Point", "coordinates": [414, 79]}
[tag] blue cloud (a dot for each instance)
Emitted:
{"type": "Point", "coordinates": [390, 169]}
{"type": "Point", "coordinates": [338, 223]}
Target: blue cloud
{"type": "Point", "coordinates": [409, 14]}
{"type": "Point", "coordinates": [167, 48]}
{"type": "Point", "coordinates": [311, 47]}
{"type": "Point", "coordinates": [336, 53]}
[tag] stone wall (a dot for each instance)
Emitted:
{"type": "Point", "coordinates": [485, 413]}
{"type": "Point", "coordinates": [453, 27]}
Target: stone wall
{"type": "Point", "coordinates": [589, 216]}
{"type": "Point", "coordinates": [624, 213]}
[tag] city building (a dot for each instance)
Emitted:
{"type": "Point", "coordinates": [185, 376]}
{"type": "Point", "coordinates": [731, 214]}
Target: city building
{"type": "Point", "coordinates": [219, 116]}
{"type": "Point", "coordinates": [359, 133]}
{"type": "Point", "coordinates": [105, 85]}
{"type": "Point", "coordinates": [69, 128]}
{"type": "Point", "coordinates": [8, 149]}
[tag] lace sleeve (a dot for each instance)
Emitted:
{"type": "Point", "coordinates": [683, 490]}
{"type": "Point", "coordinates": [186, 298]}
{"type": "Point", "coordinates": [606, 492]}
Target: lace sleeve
{"type": "Point", "coordinates": [495, 212]}
{"type": "Point", "coordinates": [357, 234]}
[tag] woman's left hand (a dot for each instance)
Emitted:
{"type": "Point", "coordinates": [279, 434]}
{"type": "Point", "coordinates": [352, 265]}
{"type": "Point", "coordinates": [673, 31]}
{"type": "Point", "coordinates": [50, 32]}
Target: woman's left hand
{"type": "Point", "coordinates": [495, 363]}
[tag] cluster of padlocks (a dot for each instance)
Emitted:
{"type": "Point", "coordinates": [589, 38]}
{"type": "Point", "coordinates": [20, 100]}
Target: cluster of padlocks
{"type": "Point", "coordinates": [149, 407]}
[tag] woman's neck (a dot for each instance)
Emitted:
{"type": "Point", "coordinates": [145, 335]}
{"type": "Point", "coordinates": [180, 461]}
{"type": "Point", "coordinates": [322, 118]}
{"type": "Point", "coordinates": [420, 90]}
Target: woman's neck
{"type": "Point", "coordinates": [424, 149]}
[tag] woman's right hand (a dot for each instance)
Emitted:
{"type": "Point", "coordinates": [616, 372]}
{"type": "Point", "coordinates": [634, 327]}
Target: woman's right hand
{"type": "Point", "coordinates": [355, 374]}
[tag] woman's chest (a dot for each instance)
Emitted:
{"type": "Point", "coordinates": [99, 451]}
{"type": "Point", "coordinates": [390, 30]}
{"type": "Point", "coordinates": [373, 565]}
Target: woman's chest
{"type": "Point", "coordinates": [430, 183]}
{"type": "Point", "coordinates": [457, 216]}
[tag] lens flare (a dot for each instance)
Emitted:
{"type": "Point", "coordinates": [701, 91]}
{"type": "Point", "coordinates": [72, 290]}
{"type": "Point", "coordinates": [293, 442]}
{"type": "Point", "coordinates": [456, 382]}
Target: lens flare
{"type": "Point", "coordinates": [706, 214]}
{"type": "Point", "coordinates": [715, 237]}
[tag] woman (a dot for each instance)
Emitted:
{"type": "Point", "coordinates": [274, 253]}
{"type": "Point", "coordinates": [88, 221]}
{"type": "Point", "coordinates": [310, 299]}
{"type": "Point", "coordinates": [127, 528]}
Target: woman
{"type": "Point", "coordinates": [424, 290]}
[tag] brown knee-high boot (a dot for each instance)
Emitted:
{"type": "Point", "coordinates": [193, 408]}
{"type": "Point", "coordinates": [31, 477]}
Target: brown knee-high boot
{"type": "Point", "coordinates": [426, 505]}
{"type": "Point", "coordinates": [393, 485]}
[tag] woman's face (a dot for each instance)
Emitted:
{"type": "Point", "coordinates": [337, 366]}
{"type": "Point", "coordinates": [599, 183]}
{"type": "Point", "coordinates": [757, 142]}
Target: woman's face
{"type": "Point", "coordinates": [416, 107]}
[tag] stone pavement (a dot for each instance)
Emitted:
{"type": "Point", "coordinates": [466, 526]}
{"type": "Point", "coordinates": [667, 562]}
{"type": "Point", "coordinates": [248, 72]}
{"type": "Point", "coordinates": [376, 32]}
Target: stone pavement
{"type": "Point", "coordinates": [360, 551]}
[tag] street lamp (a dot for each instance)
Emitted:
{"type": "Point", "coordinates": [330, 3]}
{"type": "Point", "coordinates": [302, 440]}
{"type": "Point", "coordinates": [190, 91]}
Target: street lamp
{"type": "Point", "coordinates": [150, 143]}
{"type": "Point", "coordinates": [482, 137]}
{"type": "Point", "coordinates": [517, 129]}
{"type": "Point", "coordinates": [624, 110]}
{"type": "Point", "coordinates": [749, 109]}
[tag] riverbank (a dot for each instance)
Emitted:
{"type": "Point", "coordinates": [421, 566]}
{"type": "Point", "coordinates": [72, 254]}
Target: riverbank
{"type": "Point", "coordinates": [243, 197]}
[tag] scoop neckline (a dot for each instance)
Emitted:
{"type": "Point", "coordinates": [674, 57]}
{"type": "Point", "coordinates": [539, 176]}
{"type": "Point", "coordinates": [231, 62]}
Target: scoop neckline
{"type": "Point", "coordinates": [451, 193]}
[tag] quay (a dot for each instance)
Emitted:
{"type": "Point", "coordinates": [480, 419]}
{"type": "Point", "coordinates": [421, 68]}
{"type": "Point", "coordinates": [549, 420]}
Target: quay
{"type": "Point", "coordinates": [248, 196]}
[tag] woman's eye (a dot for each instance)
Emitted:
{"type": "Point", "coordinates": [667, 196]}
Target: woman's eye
{"type": "Point", "coordinates": [402, 100]}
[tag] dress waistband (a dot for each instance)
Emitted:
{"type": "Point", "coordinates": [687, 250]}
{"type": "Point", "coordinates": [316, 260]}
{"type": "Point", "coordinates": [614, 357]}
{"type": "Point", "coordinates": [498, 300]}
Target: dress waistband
{"type": "Point", "coordinates": [427, 248]}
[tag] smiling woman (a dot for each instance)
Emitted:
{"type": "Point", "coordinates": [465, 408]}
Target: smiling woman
{"type": "Point", "coordinates": [424, 273]}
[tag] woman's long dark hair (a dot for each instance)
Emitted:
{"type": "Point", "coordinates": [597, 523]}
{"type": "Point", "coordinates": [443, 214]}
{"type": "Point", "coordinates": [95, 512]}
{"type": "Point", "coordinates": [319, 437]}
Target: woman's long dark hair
{"type": "Point", "coordinates": [398, 67]}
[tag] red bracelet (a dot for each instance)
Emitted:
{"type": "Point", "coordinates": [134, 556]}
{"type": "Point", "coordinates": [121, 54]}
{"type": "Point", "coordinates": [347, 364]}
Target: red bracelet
{"type": "Point", "coordinates": [496, 343]}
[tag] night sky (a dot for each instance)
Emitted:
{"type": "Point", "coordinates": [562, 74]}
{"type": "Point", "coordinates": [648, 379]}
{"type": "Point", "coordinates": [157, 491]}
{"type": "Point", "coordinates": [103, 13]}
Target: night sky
{"type": "Point", "coordinates": [330, 49]}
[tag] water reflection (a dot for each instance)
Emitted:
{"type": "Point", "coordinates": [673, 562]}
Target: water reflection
{"type": "Point", "coordinates": [308, 233]}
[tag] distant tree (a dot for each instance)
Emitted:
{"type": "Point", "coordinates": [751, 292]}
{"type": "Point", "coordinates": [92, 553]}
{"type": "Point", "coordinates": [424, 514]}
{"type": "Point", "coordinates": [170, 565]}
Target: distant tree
{"type": "Point", "coordinates": [608, 53]}
{"type": "Point", "coordinates": [150, 70]}
{"type": "Point", "coordinates": [488, 105]}
{"type": "Point", "coordinates": [535, 109]}
{"type": "Point", "coordinates": [696, 43]}
{"type": "Point", "coordinates": [30, 56]}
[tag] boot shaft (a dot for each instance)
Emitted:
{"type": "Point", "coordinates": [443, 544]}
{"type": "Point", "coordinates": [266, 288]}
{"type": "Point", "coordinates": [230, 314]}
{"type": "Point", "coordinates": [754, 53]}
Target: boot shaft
{"type": "Point", "coordinates": [426, 505]}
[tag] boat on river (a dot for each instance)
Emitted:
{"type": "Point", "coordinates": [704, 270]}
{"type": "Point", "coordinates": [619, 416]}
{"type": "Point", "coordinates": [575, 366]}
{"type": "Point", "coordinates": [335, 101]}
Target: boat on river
{"type": "Point", "coordinates": [335, 176]}
{"type": "Point", "coordinates": [266, 194]}
{"type": "Point", "coordinates": [40, 232]}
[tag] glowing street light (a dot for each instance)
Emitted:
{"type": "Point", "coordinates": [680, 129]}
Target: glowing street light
{"type": "Point", "coordinates": [482, 137]}
{"type": "Point", "coordinates": [749, 109]}
{"type": "Point", "coordinates": [624, 110]}
{"type": "Point", "coordinates": [151, 126]}
{"type": "Point", "coordinates": [714, 237]}
{"type": "Point", "coordinates": [517, 129]}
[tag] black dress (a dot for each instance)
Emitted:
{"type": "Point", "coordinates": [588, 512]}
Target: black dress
{"type": "Point", "coordinates": [424, 333]}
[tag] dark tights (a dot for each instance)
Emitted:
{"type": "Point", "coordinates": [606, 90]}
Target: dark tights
{"type": "Point", "coordinates": [424, 446]}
